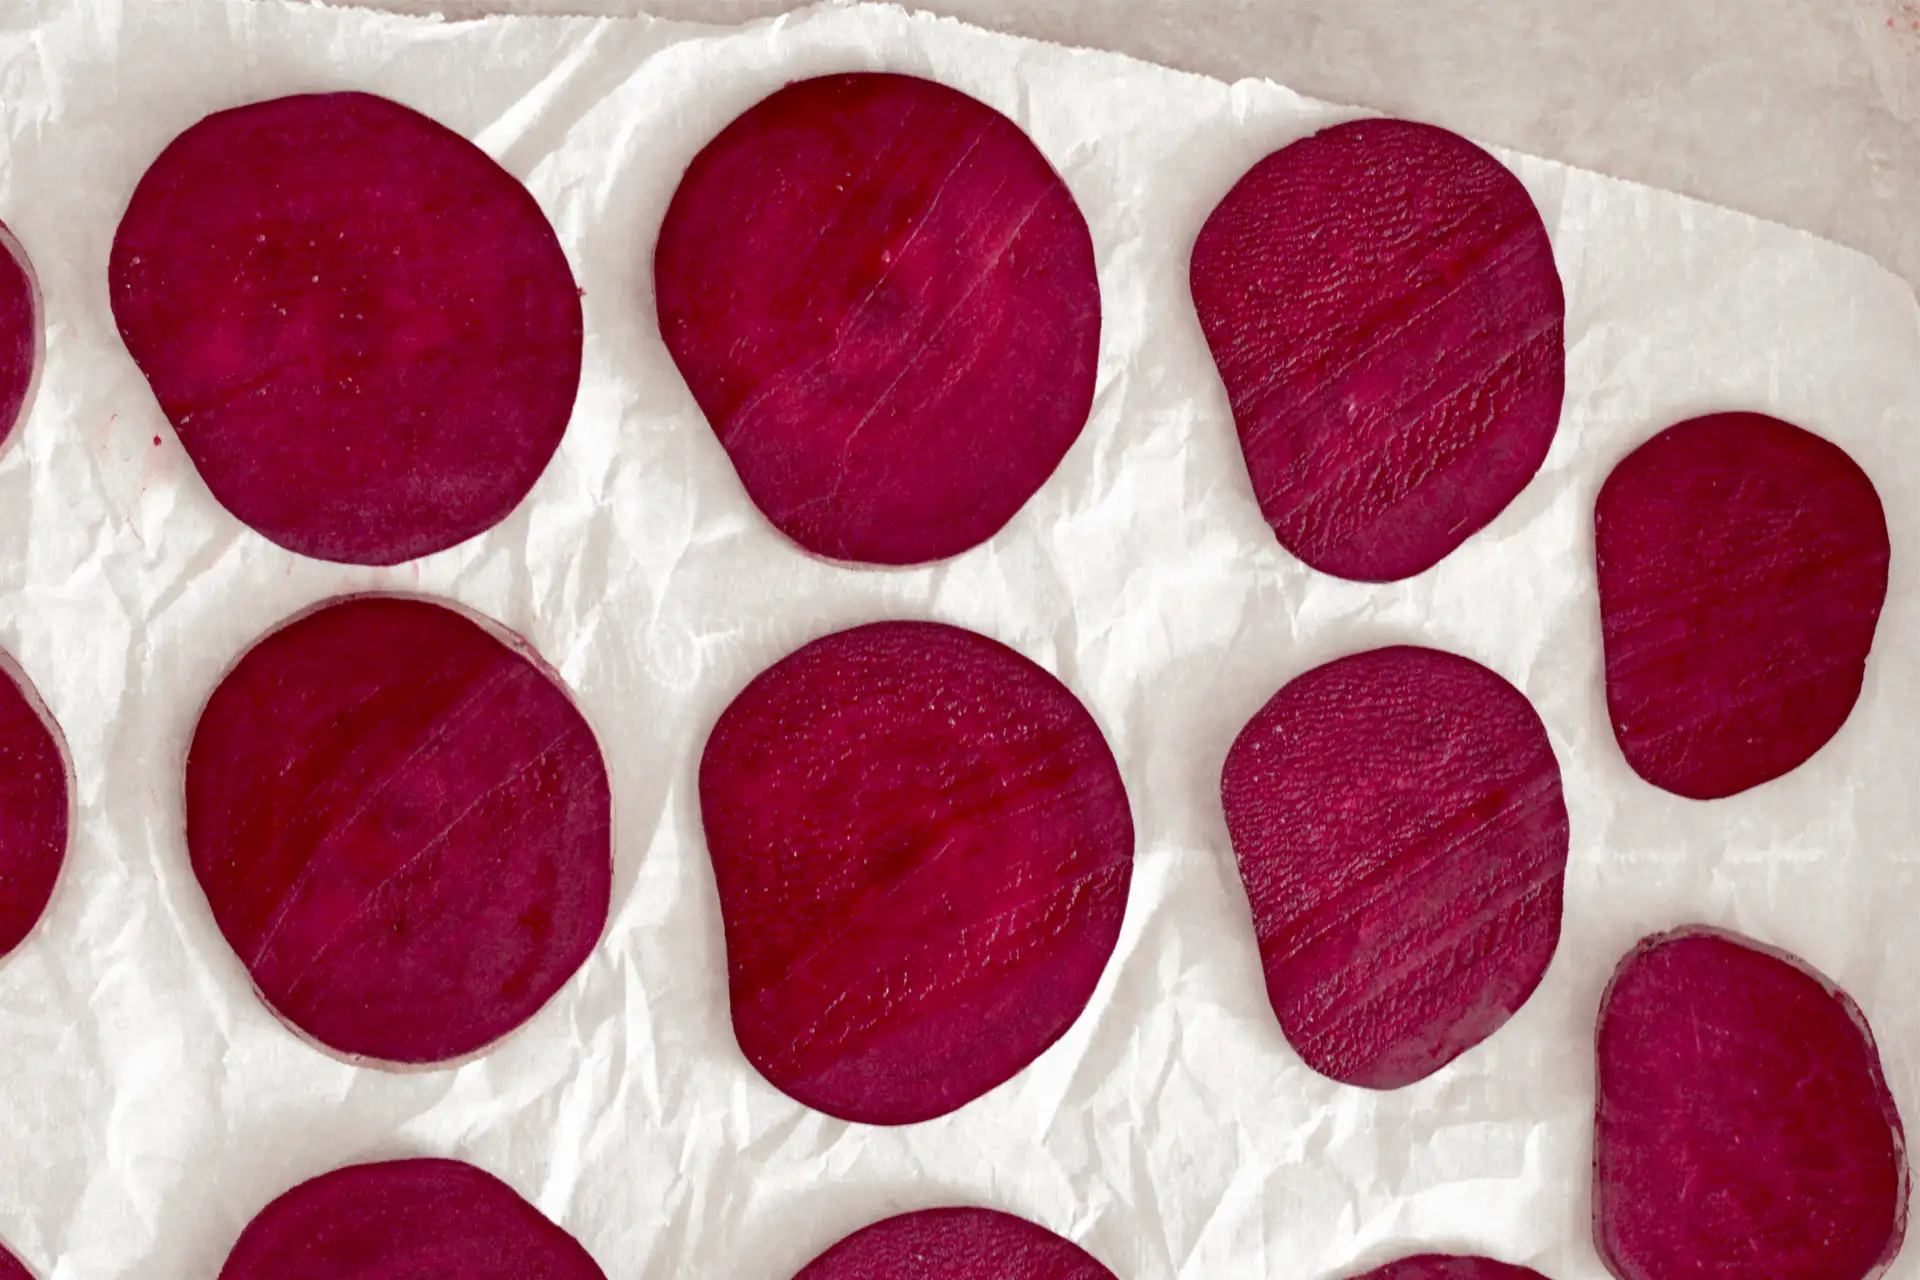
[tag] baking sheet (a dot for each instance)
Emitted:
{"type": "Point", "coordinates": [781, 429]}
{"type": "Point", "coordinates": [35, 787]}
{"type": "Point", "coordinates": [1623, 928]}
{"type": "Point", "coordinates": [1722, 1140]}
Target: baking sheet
{"type": "Point", "coordinates": [149, 1105]}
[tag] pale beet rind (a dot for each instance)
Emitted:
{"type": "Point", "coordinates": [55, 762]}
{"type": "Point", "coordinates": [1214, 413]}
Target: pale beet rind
{"type": "Point", "coordinates": [955, 1244]}
{"type": "Point", "coordinates": [36, 806]}
{"type": "Point", "coordinates": [1743, 1128]}
{"type": "Point", "coordinates": [21, 337]}
{"type": "Point", "coordinates": [883, 299]}
{"type": "Point", "coordinates": [922, 847]}
{"type": "Point", "coordinates": [1449, 1266]}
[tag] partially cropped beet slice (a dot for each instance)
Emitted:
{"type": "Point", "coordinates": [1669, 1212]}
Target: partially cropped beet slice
{"type": "Point", "coordinates": [20, 333]}
{"type": "Point", "coordinates": [402, 825]}
{"type": "Point", "coordinates": [1400, 829]}
{"type": "Point", "coordinates": [1450, 1266]}
{"type": "Point", "coordinates": [363, 330]}
{"type": "Point", "coordinates": [1743, 1128]}
{"type": "Point", "coordinates": [883, 299]}
{"type": "Point", "coordinates": [405, 1220]}
{"type": "Point", "coordinates": [35, 806]}
{"type": "Point", "coordinates": [923, 847]}
{"type": "Point", "coordinates": [955, 1244]}
{"type": "Point", "coordinates": [11, 1268]}
{"type": "Point", "coordinates": [1742, 564]}
{"type": "Point", "coordinates": [1382, 303]}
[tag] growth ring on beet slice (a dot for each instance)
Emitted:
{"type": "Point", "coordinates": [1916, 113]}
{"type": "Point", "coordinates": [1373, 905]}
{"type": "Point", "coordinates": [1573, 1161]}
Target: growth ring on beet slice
{"type": "Point", "coordinates": [363, 330]}
{"type": "Point", "coordinates": [883, 299]}
{"type": "Point", "coordinates": [1399, 826]}
{"type": "Point", "coordinates": [402, 825]}
{"type": "Point", "coordinates": [1742, 566]}
{"type": "Point", "coordinates": [22, 340]}
{"type": "Point", "coordinates": [36, 805]}
{"type": "Point", "coordinates": [1743, 1128]}
{"type": "Point", "coordinates": [955, 1244]}
{"type": "Point", "coordinates": [922, 847]}
{"type": "Point", "coordinates": [1382, 303]}
{"type": "Point", "coordinates": [1449, 1266]}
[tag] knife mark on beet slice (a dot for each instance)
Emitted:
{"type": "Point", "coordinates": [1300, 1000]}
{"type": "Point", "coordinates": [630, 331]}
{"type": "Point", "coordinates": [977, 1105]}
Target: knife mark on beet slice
{"type": "Point", "coordinates": [36, 805]}
{"type": "Point", "coordinates": [1742, 565]}
{"type": "Point", "coordinates": [1400, 829]}
{"type": "Point", "coordinates": [1743, 1129]}
{"type": "Point", "coordinates": [955, 1244]}
{"type": "Point", "coordinates": [402, 824]}
{"type": "Point", "coordinates": [363, 330]}
{"type": "Point", "coordinates": [1383, 307]}
{"type": "Point", "coordinates": [21, 338]}
{"type": "Point", "coordinates": [1450, 1266]}
{"type": "Point", "coordinates": [883, 299]}
{"type": "Point", "coordinates": [922, 846]}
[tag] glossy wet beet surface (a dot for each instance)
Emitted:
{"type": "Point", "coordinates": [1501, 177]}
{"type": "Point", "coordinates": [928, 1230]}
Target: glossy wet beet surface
{"type": "Point", "coordinates": [955, 1244]}
{"type": "Point", "coordinates": [19, 333]}
{"type": "Point", "coordinates": [34, 808]}
{"type": "Point", "coordinates": [1449, 1266]}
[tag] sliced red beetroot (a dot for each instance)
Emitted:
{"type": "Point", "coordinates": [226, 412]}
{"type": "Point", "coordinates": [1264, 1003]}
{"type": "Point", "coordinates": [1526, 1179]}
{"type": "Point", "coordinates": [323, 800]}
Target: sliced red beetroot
{"type": "Point", "coordinates": [1400, 829]}
{"type": "Point", "coordinates": [922, 846]}
{"type": "Point", "coordinates": [1382, 303]}
{"type": "Point", "coordinates": [1742, 563]}
{"type": "Point", "coordinates": [883, 299]}
{"type": "Point", "coordinates": [955, 1244]}
{"type": "Point", "coordinates": [35, 805]}
{"type": "Point", "coordinates": [363, 329]}
{"type": "Point", "coordinates": [1450, 1266]}
{"type": "Point", "coordinates": [11, 1268]}
{"type": "Point", "coordinates": [1743, 1128]}
{"type": "Point", "coordinates": [402, 826]}
{"type": "Point", "coordinates": [20, 337]}
{"type": "Point", "coordinates": [405, 1220]}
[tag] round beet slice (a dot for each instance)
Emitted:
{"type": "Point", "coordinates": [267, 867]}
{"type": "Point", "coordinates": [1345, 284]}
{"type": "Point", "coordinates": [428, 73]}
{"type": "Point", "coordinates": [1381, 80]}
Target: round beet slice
{"type": "Point", "coordinates": [1743, 1129]}
{"type": "Point", "coordinates": [955, 1244]}
{"type": "Point", "coordinates": [35, 805]}
{"type": "Point", "coordinates": [363, 330]}
{"type": "Point", "coordinates": [923, 847]}
{"type": "Point", "coordinates": [1382, 303]}
{"type": "Point", "coordinates": [1400, 829]}
{"type": "Point", "coordinates": [1450, 1266]}
{"type": "Point", "coordinates": [1742, 565]}
{"type": "Point", "coordinates": [402, 825]}
{"type": "Point", "coordinates": [883, 299]}
{"type": "Point", "coordinates": [403, 1220]}
{"type": "Point", "coordinates": [20, 337]}
{"type": "Point", "coordinates": [11, 1268]}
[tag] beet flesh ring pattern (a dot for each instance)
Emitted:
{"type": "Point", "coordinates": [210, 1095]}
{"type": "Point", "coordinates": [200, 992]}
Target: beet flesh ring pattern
{"type": "Point", "coordinates": [922, 847]}
{"type": "Point", "coordinates": [1382, 303]}
{"type": "Point", "coordinates": [1743, 1129]}
{"type": "Point", "coordinates": [1450, 1266]}
{"type": "Point", "coordinates": [402, 825]}
{"type": "Point", "coordinates": [1742, 565]}
{"type": "Point", "coordinates": [363, 330]}
{"type": "Point", "coordinates": [35, 807]}
{"type": "Point", "coordinates": [883, 299]}
{"type": "Point", "coordinates": [1400, 829]}
{"type": "Point", "coordinates": [20, 340]}
{"type": "Point", "coordinates": [955, 1244]}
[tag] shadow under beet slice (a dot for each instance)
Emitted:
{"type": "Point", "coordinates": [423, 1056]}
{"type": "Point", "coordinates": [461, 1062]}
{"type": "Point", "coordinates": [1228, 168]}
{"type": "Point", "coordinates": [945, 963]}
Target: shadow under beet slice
{"type": "Point", "coordinates": [1399, 825]}
{"type": "Point", "coordinates": [1743, 1128]}
{"type": "Point", "coordinates": [35, 806]}
{"type": "Point", "coordinates": [1742, 566]}
{"type": "Point", "coordinates": [922, 847]}
{"type": "Point", "coordinates": [955, 1244]}
{"type": "Point", "coordinates": [1449, 1266]}
{"type": "Point", "coordinates": [363, 330]}
{"type": "Point", "coordinates": [402, 826]}
{"type": "Point", "coordinates": [1383, 307]}
{"type": "Point", "coordinates": [883, 299]}
{"type": "Point", "coordinates": [21, 340]}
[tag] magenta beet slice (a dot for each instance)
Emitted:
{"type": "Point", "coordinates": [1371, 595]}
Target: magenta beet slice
{"type": "Point", "coordinates": [1400, 830]}
{"type": "Point", "coordinates": [11, 1268]}
{"type": "Point", "coordinates": [1743, 1129]}
{"type": "Point", "coordinates": [35, 805]}
{"type": "Point", "coordinates": [1449, 1266]}
{"type": "Point", "coordinates": [1382, 303]}
{"type": "Point", "coordinates": [883, 299]}
{"type": "Point", "coordinates": [955, 1244]}
{"type": "Point", "coordinates": [922, 846]}
{"type": "Point", "coordinates": [363, 330]}
{"type": "Point", "coordinates": [1742, 565]}
{"type": "Point", "coordinates": [20, 340]}
{"type": "Point", "coordinates": [402, 826]}
{"type": "Point", "coordinates": [405, 1220]}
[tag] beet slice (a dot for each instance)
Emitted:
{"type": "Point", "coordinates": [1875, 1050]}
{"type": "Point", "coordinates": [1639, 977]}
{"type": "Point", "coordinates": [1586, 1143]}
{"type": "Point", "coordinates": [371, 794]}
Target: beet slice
{"type": "Point", "coordinates": [1450, 1266]}
{"type": "Point", "coordinates": [955, 1244]}
{"type": "Point", "coordinates": [1743, 1129]}
{"type": "Point", "coordinates": [1399, 825]}
{"type": "Point", "coordinates": [35, 805]}
{"type": "Point", "coordinates": [403, 1219]}
{"type": "Point", "coordinates": [883, 299]}
{"type": "Point", "coordinates": [20, 335]}
{"type": "Point", "coordinates": [402, 825]}
{"type": "Point", "coordinates": [363, 330]}
{"type": "Point", "coordinates": [923, 847]}
{"type": "Point", "coordinates": [1742, 565]}
{"type": "Point", "coordinates": [11, 1268]}
{"type": "Point", "coordinates": [1383, 307]}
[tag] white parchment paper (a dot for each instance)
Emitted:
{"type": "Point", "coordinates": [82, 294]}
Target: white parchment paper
{"type": "Point", "coordinates": [149, 1105]}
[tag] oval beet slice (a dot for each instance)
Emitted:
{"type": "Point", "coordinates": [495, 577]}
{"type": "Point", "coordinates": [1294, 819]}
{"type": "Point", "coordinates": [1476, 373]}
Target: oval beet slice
{"type": "Point", "coordinates": [402, 826]}
{"type": "Point", "coordinates": [1449, 1266]}
{"type": "Point", "coordinates": [883, 299]}
{"type": "Point", "coordinates": [363, 329]}
{"type": "Point", "coordinates": [20, 335]}
{"type": "Point", "coordinates": [1742, 565]}
{"type": "Point", "coordinates": [955, 1244]}
{"type": "Point", "coordinates": [1401, 833]}
{"type": "Point", "coordinates": [922, 847]}
{"type": "Point", "coordinates": [35, 806]}
{"type": "Point", "coordinates": [1743, 1129]}
{"type": "Point", "coordinates": [402, 1220]}
{"type": "Point", "coordinates": [1383, 307]}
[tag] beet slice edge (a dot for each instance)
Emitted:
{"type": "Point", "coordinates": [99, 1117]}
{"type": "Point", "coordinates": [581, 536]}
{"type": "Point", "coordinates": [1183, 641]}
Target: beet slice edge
{"type": "Point", "coordinates": [955, 1244]}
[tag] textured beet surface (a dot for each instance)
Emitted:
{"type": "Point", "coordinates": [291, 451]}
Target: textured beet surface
{"type": "Point", "coordinates": [1742, 563]}
{"type": "Point", "coordinates": [1743, 1128]}
{"type": "Point", "coordinates": [405, 1220]}
{"type": "Point", "coordinates": [19, 337]}
{"type": "Point", "coordinates": [1399, 826]}
{"type": "Point", "coordinates": [402, 827]}
{"type": "Point", "coordinates": [954, 1244]}
{"type": "Point", "coordinates": [1449, 1266]}
{"type": "Point", "coordinates": [923, 848]}
{"type": "Point", "coordinates": [883, 299]}
{"type": "Point", "coordinates": [1382, 303]}
{"type": "Point", "coordinates": [34, 808]}
{"type": "Point", "coordinates": [363, 329]}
